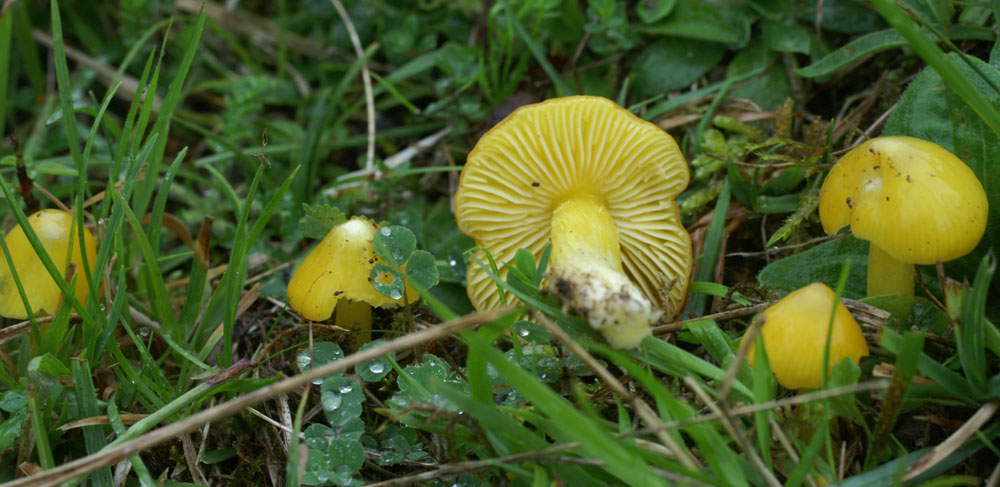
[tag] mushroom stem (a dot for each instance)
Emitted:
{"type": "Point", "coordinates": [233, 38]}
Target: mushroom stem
{"type": "Point", "coordinates": [585, 272]}
{"type": "Point", "coordinates": [888, 275]}
{"type": "Point", "coordinates": [354, 315]}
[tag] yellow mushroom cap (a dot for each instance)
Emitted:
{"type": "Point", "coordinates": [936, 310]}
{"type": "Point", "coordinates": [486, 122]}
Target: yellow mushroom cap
{"type": "Point", "coordinates": [794, 333]}
{"type": "Point", "coordinates": [914, 199]}
{"type": "Point", "coordinates": [544, 154]}
{"type": "Point", "coordinates": [339, 268]}
{"type": "Point", "coordinates": [53, 228]}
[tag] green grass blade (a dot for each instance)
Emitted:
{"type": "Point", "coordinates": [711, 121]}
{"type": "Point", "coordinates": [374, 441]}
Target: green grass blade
{"type": "Point", "coordinates": [65, 95]}
{"type": "Point", "coordinates": [763, 392]}
{"type": "Point", "coordinates": [145, 189]}
{"type": "Point", "coordinates": [710, 251]}
{"type": "Point", "coordinates": [619, 457]}
{"type": "Point", "coordinates": [6, 34]}
{"type": "Point", "coordinates": [679, 362]}
{"type": "Point", "coordinates": [41, 429]}
{"type": "Point", "coordinates": [86, 400]}
{"type": "Point", "coordinates": [971, 343]}
{"type": "Point", "coordinates": [157, 290]}
{"type": "Point", "coordinates": [712, 444]}
{"type": "Point", "coordinates": [145, 478]}
{"type": "Point", "coordinates": [31, 62]}
{"type": "Point", "coordinates": [562, 89]}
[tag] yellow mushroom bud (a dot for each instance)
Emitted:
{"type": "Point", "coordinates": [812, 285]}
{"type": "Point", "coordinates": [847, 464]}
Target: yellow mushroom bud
{"type": "Point", "coordinates": [795, 331]}
{"type": "Point", "coordinates": [55, 229]}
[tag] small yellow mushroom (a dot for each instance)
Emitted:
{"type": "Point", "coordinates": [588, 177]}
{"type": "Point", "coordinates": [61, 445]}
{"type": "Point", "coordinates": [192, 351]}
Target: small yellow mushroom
{"type": "Point", "coordinates": [55, 230]}
{"type": "Point", "coordinates": [794, 333]}
{"type": "Point", "coordinates": [913, 200]}
{"type": "Point", "coordinates": [336, 273]}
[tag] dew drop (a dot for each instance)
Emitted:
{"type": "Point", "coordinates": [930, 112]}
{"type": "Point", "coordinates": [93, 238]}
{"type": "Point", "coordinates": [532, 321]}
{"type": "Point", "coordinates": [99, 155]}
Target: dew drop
{"type": "Point", "coordinates": [386, 231]}
{"type": "Point", "coordinates": [344, 389]}
{"type": "Point", "coordinates": [331, 401]}
{"type": "Point", "coordinates": [453, 262]}
{"type": "Point", "coordinates": [524, 332]}
{"type": "Point", "coordinates": [376, 367]}
{"type": "Point", "coordinates": [395, 294]}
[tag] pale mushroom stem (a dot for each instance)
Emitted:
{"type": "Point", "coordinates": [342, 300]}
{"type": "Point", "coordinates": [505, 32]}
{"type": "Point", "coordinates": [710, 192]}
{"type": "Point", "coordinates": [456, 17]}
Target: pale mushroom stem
{"type": "Point", "coordinates": [585, 272]}
{"type": "Point", "coordinates": [888, 275]}
{"type": "Point", "coordinates": [354, 315]}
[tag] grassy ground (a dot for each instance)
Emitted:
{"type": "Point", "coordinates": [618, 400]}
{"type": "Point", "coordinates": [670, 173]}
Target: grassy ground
{"type": "Point", "coordinates": [212, 146]}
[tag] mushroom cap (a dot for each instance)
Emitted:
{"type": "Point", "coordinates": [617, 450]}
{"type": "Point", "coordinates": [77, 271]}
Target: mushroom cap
{"type": "Point", "coordinates": [53, 228]}
{"type": "Point", "coordinates": [545, 153]}
{"type": "Point", "coordinates": [912, 198]}
{"type": "Point", "coordinates": [794, 333]}
{"type": "Point", "coordinates": [339, 268]}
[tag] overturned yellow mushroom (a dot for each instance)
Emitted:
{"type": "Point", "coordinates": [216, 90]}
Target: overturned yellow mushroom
{"type": "Point", "coordinates": [55, 230]}
{"type": "Point", "coordinates": [598, 183]}
{"type": "Point", "coordinates": [335, 275]}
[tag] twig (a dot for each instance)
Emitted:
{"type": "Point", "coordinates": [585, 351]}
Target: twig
{"type": "Point", "coordinates": [113, 454]}
{"type": "Point", "coordinates": [366, 78]}
{"type": "Point", "coordinates": [720, 316]}
{"type": "Point", "coordinates": [956, 440]}
{"type": "Point", "coordinates": [449, 470]}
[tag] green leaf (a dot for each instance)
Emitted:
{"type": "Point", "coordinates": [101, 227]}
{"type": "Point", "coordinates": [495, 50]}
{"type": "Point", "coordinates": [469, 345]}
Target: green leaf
{"type": "Point", "coordinates": [783, 37]}
{"type": "Point", "coordinates": [821, 263]}
{"type": "Point", "coordinates": [394, 244]}
{"type": "Point", "coordinates": [422, 269]}
{"type": "Point", "coordinates": [653, 10]}
{"type": "Point", "coordinates": [211, 457]}
{"type": "Point", "coordinates": [13, 401]}
{"type": "Point", "coordinates": [322, 353]}
{"type": "Point", "coordinates": [375, 369]}
{"type": "Point", "coordinates": [387, 281]}
{"type": "Point", "coordinates": [696, 20]}
{"type": "Point", "coordinates": [346, 454]}
{"type": "Point", "coordinates": [10, 429]}
{"type": "Point", "coordinates": [947, 66]}
{"type": "Point", "coordinates": [877, 42]}
{"type": "Point", "coordinates": [319, 219]}
{"type": "Point", "coordinates": [845, 373]}
{"type": "Point", "coordinates": [524, 261]}
{"type": "Point", "coordinates": [47, 364]}
{"type": "Point", "coordinates": [672, 64]}
{"type": "Point", "coordinates": [413, 383]}
{"type": "Point", "coordinates": [341, 398]}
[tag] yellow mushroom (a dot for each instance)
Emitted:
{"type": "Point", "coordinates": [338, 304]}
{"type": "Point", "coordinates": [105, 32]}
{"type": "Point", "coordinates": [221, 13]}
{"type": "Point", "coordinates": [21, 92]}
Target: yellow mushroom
{"type": "Point", "coordinates": [599, 184]}
{"type": "Point", "coordinates": [914, 201]}
{"type": "Point", "coordinates": [336, 273]}
{"type": "Point", "coordinates": [795, 331]}
{"type": "Point", "coordinates": [54, 229]}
